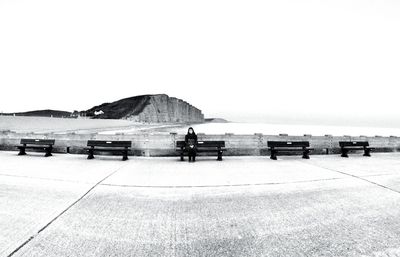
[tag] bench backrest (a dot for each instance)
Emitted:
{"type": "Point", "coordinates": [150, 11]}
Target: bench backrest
{"type": "Point", "coordinates": [200, 144]}
{"type": "Point", "coordinates": [288, 144]}
{"type": "Point", "coordinates": [28, 141]}
{"type": "Point", "coordinates": [93, 143]}
{"type": "Point", "coordinates": [353, 143]}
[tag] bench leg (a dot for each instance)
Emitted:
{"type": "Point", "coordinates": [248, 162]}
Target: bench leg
{"type": "Point", "coordinates": [90, 154]}
{"type": "Point", "coordinates": [48, 151]}
{"type": "Point", "coordinates": [219, 156]}
{"type": "Point", "coordinates": [182, 156]}
{"type": "Point", "coordinates": [125, 155]}
{"type": "Point", "coordinates": [273, 155]}
{"type": "Point", "coordinates": [367, 152]}
{"type": "Point", "coordinates": [344, 153]}
{"type": "Point", "coordinates": [306, 154]}
{"type": "Point", "coordinates": [22, 151]}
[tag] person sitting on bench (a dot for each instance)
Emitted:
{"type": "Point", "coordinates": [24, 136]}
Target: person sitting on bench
{"type": "Point", "coordinates": [191, 144]}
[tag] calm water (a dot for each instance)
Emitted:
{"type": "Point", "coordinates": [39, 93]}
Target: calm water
{"type": "Point", "coordinates": [273, 129]}
{"type": "Point", "coordinates": [58, 125]}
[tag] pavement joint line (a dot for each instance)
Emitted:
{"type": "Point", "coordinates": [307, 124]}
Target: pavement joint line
{"type": "Point", "coordinates": [227, 185]}
{"type": "Point", "coordinates": [41, 178]}
{"type": "Point", "coordinates": [380, 175]}
{"type": "Point", "coordinates": [64, 211]}
{"type": "Point", "coordinates": [354, 176]}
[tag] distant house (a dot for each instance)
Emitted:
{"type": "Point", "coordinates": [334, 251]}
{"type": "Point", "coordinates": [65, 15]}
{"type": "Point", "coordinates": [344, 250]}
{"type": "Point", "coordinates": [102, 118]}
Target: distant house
{"type": "Point", "coordinates": [96, 113]}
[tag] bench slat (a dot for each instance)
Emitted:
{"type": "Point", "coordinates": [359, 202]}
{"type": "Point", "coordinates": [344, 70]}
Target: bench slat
{"type": "Point", "coordinates": [107, 149]}
{"type": "Point", "coordinates": [288, 144]}
{"type": "Point", "coordinates": [101, 143]}
{"type": "Point", "coordinates": [202, 144]}
{"type": "Point", "coordinates": [26, 141]}
{"type": "Point", "coordinates": [353, 143]}
{"type": "Point", "coordinates": [294, 149]}
{"type": "Point", "coordinates": [358, 148]}
{"type": "Point", "coordinates": [33, 147]}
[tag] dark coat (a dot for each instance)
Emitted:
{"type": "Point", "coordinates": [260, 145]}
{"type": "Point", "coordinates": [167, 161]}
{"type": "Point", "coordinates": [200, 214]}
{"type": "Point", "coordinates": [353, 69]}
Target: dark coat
{"type": "Point", "coordinates": [191, 140]}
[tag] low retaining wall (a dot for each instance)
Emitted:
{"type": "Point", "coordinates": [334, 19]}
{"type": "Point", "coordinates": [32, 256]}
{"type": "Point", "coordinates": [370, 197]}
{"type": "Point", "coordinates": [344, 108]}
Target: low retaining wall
{"type": "Point", "coordinates": [164, 144]}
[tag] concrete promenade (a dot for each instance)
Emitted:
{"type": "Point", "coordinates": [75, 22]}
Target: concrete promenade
{"type": "Point", "coordinates": [66, 205]}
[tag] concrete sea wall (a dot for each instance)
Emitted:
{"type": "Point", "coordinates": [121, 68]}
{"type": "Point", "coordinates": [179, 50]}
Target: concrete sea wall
{"type": "Point", "coordinates": [164, 144]}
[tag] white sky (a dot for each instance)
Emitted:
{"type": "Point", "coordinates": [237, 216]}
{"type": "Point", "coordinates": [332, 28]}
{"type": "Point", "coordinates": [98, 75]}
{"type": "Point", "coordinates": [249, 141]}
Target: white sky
{"type": "Point", "coordinates": [242, 60]}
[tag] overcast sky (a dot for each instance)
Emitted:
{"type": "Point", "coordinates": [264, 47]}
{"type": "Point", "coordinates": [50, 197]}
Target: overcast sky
{"type": "Point", "coordinates": [242, 60]}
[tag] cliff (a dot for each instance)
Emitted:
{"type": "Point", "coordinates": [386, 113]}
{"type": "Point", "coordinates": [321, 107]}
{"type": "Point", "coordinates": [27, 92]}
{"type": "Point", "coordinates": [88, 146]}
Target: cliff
{"type": "Point", "coordinates": [147, 108]}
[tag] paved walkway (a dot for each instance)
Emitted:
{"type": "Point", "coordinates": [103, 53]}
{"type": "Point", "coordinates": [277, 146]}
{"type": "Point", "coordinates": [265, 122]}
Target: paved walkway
{"type": "Point", "coordinates": [66, 205]}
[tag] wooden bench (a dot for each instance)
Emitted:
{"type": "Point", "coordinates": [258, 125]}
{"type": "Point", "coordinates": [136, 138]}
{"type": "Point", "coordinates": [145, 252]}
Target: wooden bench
{"type": "Point", "coordinates": [203, 146]}
{"type": "Point", "coordinates": [40, 144]}
{"type": "Point", "coordinates": [289, 146]}
{"type": "Point", "coordinates": [346, 146]}
{"type": "Point", "coordinates": [108, 146]}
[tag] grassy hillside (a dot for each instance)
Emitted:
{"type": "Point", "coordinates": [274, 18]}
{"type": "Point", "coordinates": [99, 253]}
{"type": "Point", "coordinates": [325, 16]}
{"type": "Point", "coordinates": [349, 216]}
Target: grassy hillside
{"type": "Point", "coordinates": [121, 108]}
{"type": "Point", "coordinates": [42, 113]}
